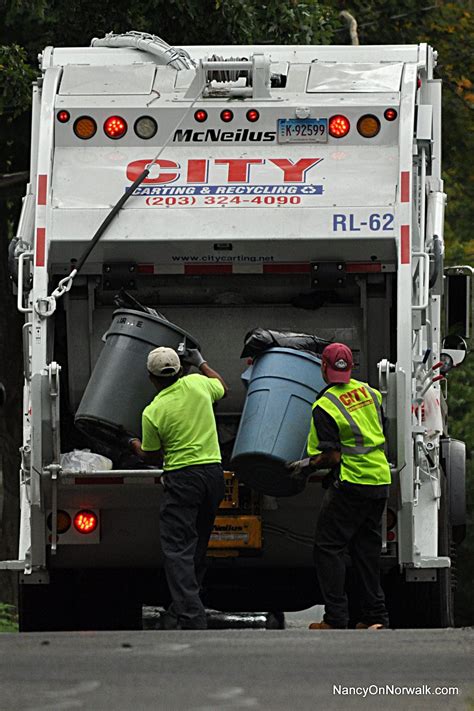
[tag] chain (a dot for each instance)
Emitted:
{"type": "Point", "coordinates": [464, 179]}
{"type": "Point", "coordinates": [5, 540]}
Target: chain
{"type": "Point", "coordinates": [46, 306]}
{"type": "Point", "coordinates": [64, 285]}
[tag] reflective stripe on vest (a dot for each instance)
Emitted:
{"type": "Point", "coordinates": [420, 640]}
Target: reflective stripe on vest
{"type": "Point", "coordinates": [377, 404]}
{"type": "Point", "coordinates": [355, 429]}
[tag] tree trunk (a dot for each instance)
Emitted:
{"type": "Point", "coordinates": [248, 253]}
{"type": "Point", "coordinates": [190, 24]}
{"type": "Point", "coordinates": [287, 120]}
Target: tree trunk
{"type": "Point", "coordinates": [11, 414]}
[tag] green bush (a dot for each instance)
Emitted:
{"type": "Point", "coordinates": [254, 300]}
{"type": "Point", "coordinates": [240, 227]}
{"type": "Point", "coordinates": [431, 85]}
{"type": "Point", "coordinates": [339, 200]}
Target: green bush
{"type": "Point", "coordinates": [8, 618]}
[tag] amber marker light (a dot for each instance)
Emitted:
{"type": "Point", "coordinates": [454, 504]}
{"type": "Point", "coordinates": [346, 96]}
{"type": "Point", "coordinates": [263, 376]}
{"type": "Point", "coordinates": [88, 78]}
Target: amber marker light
{"type": "Point", "coordinates": [368, 126]}
{"type": "Point", "coordinates": [85, 521]}
{"type": "Point", "coordinates": [63, 521]}
{"type": "Point", "coordinates": [391, 519]}
{"type": "Point", "coordinates": [85, 127]}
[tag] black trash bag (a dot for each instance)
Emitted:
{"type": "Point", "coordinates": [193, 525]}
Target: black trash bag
{"type": "Point", "coordinates": [260, 339]}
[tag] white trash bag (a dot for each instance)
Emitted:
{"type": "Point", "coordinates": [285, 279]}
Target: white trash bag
{"type": "Point", "coordinates": [80, 460]}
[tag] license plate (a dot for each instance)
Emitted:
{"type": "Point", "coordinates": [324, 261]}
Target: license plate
{"type": "Point", "coordinates": [302, 130]}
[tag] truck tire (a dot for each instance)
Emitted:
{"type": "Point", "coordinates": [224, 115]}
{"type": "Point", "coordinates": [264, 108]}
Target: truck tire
{"type": "Point", "coordinates": [40, 609]}
{"type": "Point", "coordinates": [427, 604]}
{"type": "Point", "coordinates": [77, 601]}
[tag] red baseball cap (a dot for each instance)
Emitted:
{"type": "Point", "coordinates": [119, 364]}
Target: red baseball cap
{"type": "Point", "coordinates": [339, 362]}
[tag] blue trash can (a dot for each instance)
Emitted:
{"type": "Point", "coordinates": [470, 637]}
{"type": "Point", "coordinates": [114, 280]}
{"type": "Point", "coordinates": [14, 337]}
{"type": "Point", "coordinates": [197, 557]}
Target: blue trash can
{"type": "Point", "coordinates": [282, 386]}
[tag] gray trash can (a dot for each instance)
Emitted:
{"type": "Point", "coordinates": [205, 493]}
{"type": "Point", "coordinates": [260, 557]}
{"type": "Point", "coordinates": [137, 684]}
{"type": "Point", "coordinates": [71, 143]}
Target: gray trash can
{"type": "Point", "coordinates": [119, 388]}
{"type": "Point", "coordinates": [282, 387]}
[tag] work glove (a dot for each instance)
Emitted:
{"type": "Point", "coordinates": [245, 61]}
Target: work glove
{"type": "Point", "coordinates": [193, 357]}
{"type": "Point", "coordinates": [299, 470]}
{"type": "Point", "coordinates": [124, 439]}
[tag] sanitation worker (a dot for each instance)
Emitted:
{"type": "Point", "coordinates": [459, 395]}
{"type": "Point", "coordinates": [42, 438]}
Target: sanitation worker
{"type": "Point", "coordinates": [346, 435]}
{"type": "Point", "coordinates": [179, 424]}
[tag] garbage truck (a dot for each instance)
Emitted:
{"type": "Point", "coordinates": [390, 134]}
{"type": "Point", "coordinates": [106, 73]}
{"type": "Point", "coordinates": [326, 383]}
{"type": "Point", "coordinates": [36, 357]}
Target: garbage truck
{"type": "Point", "coordinates": [197, 194]}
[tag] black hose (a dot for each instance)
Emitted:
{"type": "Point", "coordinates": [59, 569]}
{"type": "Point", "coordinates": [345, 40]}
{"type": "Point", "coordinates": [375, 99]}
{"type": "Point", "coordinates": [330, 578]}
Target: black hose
{"type": "Point", "coordinates": [437, 254]}
{"type": "Point", "coordinates": [109, 219]}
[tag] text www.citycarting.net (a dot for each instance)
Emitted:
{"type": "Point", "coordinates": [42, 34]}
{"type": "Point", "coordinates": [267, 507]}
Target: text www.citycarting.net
{"type": "Point", "coordinates": [394, 690]}
{"type": "Point", "coordinates": [225, 258]}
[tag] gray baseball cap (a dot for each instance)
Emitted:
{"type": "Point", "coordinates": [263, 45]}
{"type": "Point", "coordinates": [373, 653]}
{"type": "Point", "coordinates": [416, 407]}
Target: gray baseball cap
{"type": "Point", "coordinates": [163, 362]}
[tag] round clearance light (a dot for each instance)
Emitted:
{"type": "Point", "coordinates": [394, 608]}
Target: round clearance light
{"type": "Point", "coordinates": [85, 521]}
{"type": "Point", "coordinates": [227, 115]}
{"type": "Point", "coordinates": [339, 126]}
{"type": "Point", "coordinates": [85, 127]}
{"type": "Point", "coordinates": [145, 127]}
{"type": "Point", "coordinates": [200, 115]}
{"type": "Point", "coordinates": [391, 519]}
{"type": "Point", "coordinates": [368, 126]}
{"type": "Point", "coordinates": [390, 114]}
{"type": "Point", "coordinates": [252, 115]}
{"type": "Point", "coordinates": [115, 127]}
{"type": "Point", "coordinates": [63, 116]}
{"type": "Point", "coordinates": [63, 521]}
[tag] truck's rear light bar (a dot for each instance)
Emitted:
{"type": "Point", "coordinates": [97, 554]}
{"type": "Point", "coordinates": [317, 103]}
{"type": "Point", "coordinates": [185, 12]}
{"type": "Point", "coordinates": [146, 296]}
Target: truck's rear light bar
{"type": "Point", "coordinates": [253, 268]}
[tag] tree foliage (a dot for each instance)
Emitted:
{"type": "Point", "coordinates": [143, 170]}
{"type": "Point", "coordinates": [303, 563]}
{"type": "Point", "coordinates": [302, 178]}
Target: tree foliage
{"type": "Point", "coordinates": [449, 28]}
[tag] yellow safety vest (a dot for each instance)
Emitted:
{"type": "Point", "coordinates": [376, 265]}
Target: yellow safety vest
{"type": "Point", "coordinates": [356, 409]}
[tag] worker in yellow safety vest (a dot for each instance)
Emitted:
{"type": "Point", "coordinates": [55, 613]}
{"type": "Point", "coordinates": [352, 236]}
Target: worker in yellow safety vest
{"type": "Point", "coordinates": [347, 436]}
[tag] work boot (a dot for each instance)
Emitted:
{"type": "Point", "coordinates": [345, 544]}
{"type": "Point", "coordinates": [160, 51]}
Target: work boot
{"type": "Point", "coordinates": [167, 621]}
{"type": "Point", "coordinates": [364, 626]}
{"type": "Point", "coordinates": [323, 626]}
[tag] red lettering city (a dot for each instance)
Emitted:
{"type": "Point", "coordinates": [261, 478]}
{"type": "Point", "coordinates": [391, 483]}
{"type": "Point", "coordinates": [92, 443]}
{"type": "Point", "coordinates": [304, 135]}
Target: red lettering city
{"type": "Point", "coordinates": [354, 396]}
{"type": "Point", "coordinates": [238, 169]}
{"type": "Point", "coordinates": [294, 172]}
{"type": "Point", "coordinates": [138, 166]}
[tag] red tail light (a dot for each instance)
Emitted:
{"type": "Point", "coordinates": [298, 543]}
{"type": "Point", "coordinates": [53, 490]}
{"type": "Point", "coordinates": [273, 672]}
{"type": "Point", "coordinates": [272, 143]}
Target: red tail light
{"type": "Point", "coordinates": [390, 114]}
{"type": "Point", "coordinates": [85, 521]}
{"type": "Point", "coordinates": [339, 126]}
{"type": "Point", "coordinates": [200, 115]}
{"type": "Point", "coordinates": [227, 115]}
{"type": "Point", "coordinates": [252, 115]}
{"type": "Point", "coordinates": [63, 116]}
{"type": "Point", "coordinates": [115, 127]}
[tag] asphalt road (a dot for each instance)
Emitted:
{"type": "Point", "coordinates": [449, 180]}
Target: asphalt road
{"type": "Point", "coordinates": [227, 670]}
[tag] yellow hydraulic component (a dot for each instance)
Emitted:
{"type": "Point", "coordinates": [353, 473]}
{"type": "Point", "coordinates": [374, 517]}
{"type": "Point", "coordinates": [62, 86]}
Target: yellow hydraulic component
{"type": "Point", "coordinates": [231, 496]}
{"type": "Point", "coordinates": [236, 532]}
